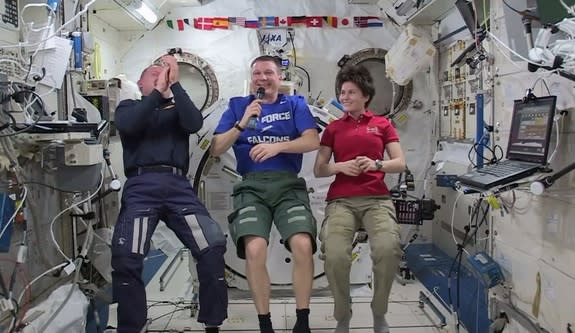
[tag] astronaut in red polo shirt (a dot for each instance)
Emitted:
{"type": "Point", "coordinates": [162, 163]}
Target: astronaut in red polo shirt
{"type": "Point", "coordinates": [358, 197]}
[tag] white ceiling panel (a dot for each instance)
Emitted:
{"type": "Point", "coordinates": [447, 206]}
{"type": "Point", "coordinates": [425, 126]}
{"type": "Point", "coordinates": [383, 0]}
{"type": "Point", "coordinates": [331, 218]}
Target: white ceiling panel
{"type": "Point", "coordinates": [109, 12]}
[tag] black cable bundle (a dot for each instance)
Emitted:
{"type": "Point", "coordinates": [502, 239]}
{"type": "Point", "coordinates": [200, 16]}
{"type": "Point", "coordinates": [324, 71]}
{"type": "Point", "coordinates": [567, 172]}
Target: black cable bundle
{"type": "Point", "coordinates": [475, 223]}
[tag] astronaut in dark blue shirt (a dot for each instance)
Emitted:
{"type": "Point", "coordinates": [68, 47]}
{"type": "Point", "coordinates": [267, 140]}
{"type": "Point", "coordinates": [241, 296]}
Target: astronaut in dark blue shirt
{"type": "Point", "coordinates": [155, 140]}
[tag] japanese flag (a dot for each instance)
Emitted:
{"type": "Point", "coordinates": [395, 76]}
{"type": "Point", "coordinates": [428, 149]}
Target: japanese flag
{"type": "Point", "coordinates": [345, 22]}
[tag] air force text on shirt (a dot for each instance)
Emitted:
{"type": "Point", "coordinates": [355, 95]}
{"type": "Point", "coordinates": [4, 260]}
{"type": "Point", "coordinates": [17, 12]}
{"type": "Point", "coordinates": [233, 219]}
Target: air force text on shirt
{"type": "Point", "coordinates": [270, 119]}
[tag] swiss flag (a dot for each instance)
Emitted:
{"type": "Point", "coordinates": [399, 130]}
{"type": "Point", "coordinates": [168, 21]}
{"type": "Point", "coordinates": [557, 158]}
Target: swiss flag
{"type": "Point", "coordinates": [203, 23]}
{"type": "Point", "coordinates": [314, 21]}
{"type": "Point", "coordinates": [345, 22]}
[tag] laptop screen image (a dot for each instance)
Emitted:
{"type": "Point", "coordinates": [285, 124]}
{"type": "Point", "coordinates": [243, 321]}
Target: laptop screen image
{"type": "Point", "coordinates": [531, 129]}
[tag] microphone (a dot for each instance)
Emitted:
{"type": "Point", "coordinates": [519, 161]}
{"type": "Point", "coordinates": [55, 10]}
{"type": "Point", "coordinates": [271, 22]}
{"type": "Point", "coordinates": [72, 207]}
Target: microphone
{"type": "Point", "coordinates": [260, 93]}
{"type": "Point", "coordinates": [253, 122]}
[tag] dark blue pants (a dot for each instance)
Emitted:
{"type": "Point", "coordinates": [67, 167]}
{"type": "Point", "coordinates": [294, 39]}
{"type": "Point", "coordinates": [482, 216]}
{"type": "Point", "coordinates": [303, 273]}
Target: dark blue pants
{"type": "Point", "coordinates": [146, 199]}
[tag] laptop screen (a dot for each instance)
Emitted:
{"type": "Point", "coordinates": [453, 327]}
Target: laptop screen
{"type": "Point", "coordinates": [531, 128]}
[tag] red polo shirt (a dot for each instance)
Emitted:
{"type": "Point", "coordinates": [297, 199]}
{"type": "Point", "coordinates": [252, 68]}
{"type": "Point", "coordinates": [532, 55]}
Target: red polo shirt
{"type": "Point", "coordinates": [349, 138]}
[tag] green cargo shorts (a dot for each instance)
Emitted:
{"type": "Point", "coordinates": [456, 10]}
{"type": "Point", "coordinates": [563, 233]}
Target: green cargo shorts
{"type": "Point", "coordinates": [265, 197]}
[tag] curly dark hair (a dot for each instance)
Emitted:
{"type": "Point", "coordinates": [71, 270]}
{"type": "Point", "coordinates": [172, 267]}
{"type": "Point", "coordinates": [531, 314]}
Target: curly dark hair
{"type": "Point", "coordinates": [360, 76]}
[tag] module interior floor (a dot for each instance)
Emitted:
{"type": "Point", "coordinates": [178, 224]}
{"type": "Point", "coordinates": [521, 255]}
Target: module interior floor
{"type": "Point", "coordinates": [170, 309]}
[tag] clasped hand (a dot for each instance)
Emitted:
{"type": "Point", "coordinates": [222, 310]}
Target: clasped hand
{"type": "Point", "coordinates": [169, 75]}
{"type": "Point", "coordinates": [356, 166]}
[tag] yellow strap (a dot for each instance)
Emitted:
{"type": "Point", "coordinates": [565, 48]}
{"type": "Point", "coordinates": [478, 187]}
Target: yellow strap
{"type": "Point", "coordinates": [537, 297]}
{"type": "Point", "coordinates": [97, 62]}
{"type": "Point", "coordinates": [493, 202]}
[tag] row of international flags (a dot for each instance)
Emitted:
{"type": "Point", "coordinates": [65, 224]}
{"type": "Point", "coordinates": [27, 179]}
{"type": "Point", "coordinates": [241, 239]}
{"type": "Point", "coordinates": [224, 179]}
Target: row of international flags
{"type": "Point", "coordinates": [212, 23]}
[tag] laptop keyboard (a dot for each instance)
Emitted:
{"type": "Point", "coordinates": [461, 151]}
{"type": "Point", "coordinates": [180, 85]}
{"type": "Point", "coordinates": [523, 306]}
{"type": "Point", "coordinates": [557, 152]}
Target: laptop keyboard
{"type": "Point", "coordinates": [502, 169]}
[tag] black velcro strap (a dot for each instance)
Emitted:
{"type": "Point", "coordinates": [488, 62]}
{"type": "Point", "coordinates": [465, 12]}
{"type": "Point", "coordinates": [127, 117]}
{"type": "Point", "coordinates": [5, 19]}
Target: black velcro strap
{"type": "Point", "coordinates": [155, 169]}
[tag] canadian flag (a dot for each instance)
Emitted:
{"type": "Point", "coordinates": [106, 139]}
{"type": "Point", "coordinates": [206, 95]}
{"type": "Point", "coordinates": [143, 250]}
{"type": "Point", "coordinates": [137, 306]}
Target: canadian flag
{"type": "Point", "coordinates": [204, 23]}
{"type": "Point", "coordinates": [283, 21]}
{"type": "Point", "coordinates": [345, 22]}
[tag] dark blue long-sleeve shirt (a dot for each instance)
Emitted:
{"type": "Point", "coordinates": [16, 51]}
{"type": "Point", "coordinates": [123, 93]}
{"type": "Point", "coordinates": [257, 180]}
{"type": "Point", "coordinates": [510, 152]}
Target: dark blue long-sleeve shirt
{"type": "Point", "coordinates": [154, 132]}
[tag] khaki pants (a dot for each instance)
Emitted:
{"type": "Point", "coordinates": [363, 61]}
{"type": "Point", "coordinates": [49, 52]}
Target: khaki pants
{"type": "Point", "coordinates": [342, 219]}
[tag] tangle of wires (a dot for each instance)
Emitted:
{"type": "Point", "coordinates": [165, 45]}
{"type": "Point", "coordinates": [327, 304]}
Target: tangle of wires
{"type": "Point", "coordinates": [478, 218]}
{"type": "Point", "coordinates": [23, 95]}
{"type": "Point", "coordinates": [7, 297]}
{"type": "Point", "coordinates": [8, 292]}
{"type": "Point", "coordinates": [495, 153]}
{"type": "Point", "coordinates": [178, 307]}
{"type": "Point", "coordinates": [299, 67]}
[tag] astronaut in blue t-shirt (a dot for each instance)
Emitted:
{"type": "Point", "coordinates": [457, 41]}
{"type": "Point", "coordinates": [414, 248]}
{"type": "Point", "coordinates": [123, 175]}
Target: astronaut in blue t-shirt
{"type": "Point", "coordinates": [269, 136]}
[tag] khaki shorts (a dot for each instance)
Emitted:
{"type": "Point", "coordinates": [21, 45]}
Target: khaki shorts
{"type": "Point", "coordinates": [266, 197]}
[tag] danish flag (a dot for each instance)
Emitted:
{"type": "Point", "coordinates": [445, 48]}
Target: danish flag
{"type": "Point", "coordinates": [204, 23]}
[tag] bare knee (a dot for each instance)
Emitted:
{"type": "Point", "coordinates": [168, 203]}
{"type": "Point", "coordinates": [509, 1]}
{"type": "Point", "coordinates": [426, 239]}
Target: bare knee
{"type": "Point", "coordinates": [301, 246]}
{"type": "Point", "coordinates": [256, 250]}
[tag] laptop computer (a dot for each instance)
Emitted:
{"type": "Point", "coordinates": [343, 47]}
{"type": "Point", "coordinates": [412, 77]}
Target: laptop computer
{"type": "Point", "coordinates": [527, 149]}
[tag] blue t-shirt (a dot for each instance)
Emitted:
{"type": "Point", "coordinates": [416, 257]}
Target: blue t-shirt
{"type": "Point", "coordinates": [284, 120]}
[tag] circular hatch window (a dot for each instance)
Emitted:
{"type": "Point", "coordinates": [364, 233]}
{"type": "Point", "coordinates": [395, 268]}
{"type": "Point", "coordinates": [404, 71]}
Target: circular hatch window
{"type": "Point", "coordinates": [198, 79]}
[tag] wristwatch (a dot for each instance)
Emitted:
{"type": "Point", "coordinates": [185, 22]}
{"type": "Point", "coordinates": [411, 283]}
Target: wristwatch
{"type": "Point", "coordinates": [378, 165]}
{"type": "Point", "coordinates": [238, 127]}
